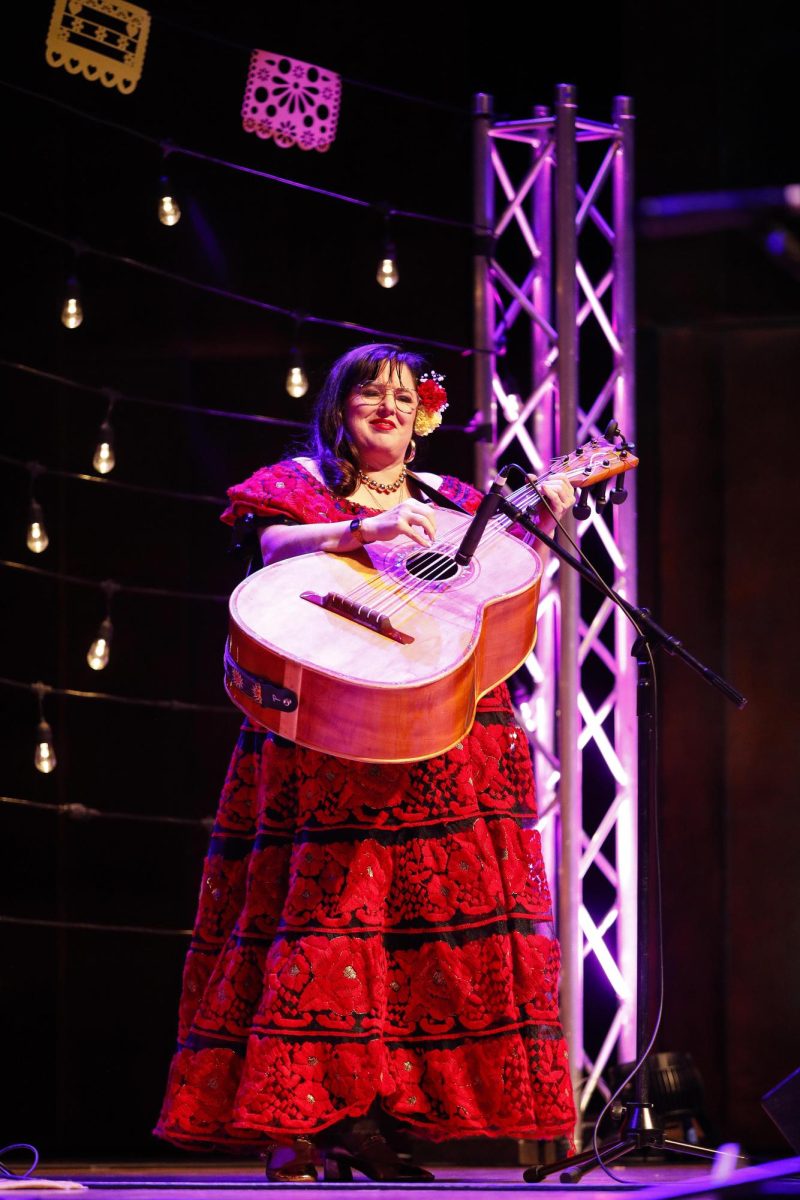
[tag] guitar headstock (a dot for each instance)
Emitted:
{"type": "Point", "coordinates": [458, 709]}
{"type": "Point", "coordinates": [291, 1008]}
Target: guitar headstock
{"type": "Point", "coordinates": [591, 463]}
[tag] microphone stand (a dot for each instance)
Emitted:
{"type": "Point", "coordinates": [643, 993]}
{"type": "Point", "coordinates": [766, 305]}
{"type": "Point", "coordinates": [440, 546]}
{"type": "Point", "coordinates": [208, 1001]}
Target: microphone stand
{"type": "Point", "coordinates": [641, 1127]}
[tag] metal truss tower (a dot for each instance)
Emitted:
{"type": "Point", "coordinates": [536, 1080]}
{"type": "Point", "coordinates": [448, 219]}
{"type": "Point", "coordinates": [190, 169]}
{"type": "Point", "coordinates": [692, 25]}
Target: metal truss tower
{"type": "Point", "coordinates": [553, 303]}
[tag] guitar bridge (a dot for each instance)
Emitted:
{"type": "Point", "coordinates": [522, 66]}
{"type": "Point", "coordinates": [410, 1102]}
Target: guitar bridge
{"type": "Point", "coordinates": [361, 614]}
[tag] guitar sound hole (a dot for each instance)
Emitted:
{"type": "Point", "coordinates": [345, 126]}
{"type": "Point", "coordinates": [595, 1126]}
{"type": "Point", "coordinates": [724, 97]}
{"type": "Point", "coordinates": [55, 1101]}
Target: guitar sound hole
{"type": "Point", "coordinates": [432, 565]}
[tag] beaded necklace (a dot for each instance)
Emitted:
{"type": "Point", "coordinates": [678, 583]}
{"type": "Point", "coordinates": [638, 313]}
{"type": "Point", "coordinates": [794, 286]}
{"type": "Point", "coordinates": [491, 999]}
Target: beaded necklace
{"type": "Point", "coordinates": [385, 489]}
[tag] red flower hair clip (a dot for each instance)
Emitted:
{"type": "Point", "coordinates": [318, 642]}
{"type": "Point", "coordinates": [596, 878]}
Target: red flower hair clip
{"type": "Point", "coordinates": [432, 403]}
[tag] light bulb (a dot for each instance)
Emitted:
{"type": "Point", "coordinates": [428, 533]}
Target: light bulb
{"type": "Point", "coordinates": [296, 382]}
{"type": "Point", "coordinates": [169, 211]}
{"type": "Point", "coordinates": [387, 274]}
{"type": "Point", "coordinates": [37, 539]}
{"type": "Point", "coordinates": [44, 758]}
{"type": "Point", "coordinates": [100, 649]}
{"type": "Point", "coordinates": [72, 310]}
{"type": "Point", "coordinates": [104, 459]}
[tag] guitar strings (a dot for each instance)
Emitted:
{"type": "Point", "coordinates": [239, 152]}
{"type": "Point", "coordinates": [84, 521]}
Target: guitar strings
{"type": "Point", "coordinates": [406, 591]}
{"type": "Point", "coordinates": [439, 571]}
{"type": "Point", "coordinates": [436, 571]}
{"type": "Point", "coordinates": [385, 588]}
{"type": "Point", "coordinates": [382, 588]}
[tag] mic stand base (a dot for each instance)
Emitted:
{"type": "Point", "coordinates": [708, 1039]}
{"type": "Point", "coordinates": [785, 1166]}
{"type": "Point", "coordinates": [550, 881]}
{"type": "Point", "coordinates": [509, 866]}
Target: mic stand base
{"type": "Point", "coordinates": [641, 1130]}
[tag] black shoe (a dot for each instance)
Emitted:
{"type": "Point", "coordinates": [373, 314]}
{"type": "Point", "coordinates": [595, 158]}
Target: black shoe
{"type": "Point", "coordinates": [374, 1157]}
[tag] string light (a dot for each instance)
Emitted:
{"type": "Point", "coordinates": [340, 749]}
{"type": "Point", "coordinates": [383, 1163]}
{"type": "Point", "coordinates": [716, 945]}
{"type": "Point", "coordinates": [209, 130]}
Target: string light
{"type": "Point", "coordinates": [135, 701]}
{"type": "Point", "coordinates": [104, 459]}
{"type": "Point", "coordinates": [166, 405]}
{"type": "Point", "coordinates": [37, 539]}
{"type": "Point", "coordinates": [72, 309]}
{"type": "Point", "coordinates": [387, 274]}
{"type": "Point", "coordinates": [169, 210]}
{"type": "Point", "coordinates": [100, 649]}
{"type": "Point", "coordinates": [252, 301]}
{"type": "Point", "coordinates": [132, 589]}
{"type": "Point", "coordinates": [296, 378]}
{"type": "Point", "coordinates": [296, 381]}
{"type": "Point", "coordinates": [139, 488]}
{"type": "Point", "coordinates": [44, 757]}
{"type": "Point", "coordinates": [188, 152]}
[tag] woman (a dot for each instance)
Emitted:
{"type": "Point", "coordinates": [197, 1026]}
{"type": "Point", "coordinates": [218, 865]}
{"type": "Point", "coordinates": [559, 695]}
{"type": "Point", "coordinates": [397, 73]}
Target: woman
{"type": "Point", "coordinates": [373, 943]}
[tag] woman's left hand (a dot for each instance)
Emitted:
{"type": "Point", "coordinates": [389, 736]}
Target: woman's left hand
{"type": "Point", "coordinates": [560, 496]}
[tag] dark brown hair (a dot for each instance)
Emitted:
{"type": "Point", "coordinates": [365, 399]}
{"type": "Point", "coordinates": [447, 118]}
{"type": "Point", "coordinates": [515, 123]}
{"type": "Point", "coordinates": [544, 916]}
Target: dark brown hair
{"type": "Point", "coordinates": [329, 442]}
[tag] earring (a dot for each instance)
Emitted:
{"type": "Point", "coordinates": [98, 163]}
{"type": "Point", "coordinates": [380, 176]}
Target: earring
{"type": "Point", "coordinates": [411, 450]}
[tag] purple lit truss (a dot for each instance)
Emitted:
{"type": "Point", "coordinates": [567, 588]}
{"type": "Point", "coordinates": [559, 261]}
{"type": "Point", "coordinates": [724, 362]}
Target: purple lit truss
{"type": "Point", "coordinates": [554, 309]}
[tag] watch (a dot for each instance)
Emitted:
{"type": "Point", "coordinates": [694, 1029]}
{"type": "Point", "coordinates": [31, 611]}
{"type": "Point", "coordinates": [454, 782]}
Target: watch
{"type": "Point", "coordinates": [357, 530]}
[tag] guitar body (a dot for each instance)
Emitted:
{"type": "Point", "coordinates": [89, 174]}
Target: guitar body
{"type": "Point", "coordinates": [375, 696]}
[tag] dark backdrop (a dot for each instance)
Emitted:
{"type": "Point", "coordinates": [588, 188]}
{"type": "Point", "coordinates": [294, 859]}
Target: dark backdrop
{"type": "Point", "coordinates": [89, 1014]}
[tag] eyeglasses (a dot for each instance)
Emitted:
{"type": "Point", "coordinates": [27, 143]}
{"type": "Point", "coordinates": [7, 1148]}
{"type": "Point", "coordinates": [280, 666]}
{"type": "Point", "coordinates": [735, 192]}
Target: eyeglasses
{"type": "Point", "coordinates": [374, 394]}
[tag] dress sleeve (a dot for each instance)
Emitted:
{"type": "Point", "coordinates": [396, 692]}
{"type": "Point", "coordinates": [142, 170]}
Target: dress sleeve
{"type": "Point", "coordinates": [463, 493]}
{"type": "Point", "coordinates": [269, 492]}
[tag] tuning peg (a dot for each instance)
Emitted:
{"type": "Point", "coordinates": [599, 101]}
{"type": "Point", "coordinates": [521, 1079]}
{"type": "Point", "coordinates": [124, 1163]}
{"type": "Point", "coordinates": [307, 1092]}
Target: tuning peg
{"type": "Point", "coordinates": [619, 495]}
{"type": "Point", "coordinates": [601, 495]}
{"type": "Point", "coordinates": [612, 430]}
{"type": "Point", "coordinates": [581, 508]}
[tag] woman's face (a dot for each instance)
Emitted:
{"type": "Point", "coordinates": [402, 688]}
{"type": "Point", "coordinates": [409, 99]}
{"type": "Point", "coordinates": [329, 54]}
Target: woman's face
{"type": "Point", "coordinates": [379, 427]}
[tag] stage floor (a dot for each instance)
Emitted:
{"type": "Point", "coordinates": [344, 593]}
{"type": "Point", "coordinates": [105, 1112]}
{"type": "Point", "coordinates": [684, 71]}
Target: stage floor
{"type": "Point", "coordinates": [238, 1181]}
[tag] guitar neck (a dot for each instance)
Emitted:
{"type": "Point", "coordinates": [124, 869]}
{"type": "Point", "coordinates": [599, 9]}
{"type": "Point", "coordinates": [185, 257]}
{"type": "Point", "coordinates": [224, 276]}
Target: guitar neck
{"type": "Point", "coordinates": [595, 462]}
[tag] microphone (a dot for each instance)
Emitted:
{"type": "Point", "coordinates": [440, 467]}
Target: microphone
{"type": "Point", "coordinates": [486, 510]}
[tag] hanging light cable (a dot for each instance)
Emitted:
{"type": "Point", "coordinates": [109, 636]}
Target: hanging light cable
{"type": "Point", "coordinates": [44, 757]}
{"type": "Point", "coordinates": [296, 378]}
{"type": "Point", "coordinates": [169, 210]}
{"type": "Point", "coordinates": [100, 649]}
{"type": "Point", "coordinates": [387, 274]}
{"type": "Point", "coordinates": [104, 459]}
{"type": "Point", "coordinates": [36, 538]}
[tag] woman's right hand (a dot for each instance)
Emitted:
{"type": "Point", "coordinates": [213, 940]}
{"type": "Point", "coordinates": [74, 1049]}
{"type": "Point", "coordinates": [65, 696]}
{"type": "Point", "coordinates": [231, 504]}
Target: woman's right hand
{"type": "Point", "coordinates": [412, 518]}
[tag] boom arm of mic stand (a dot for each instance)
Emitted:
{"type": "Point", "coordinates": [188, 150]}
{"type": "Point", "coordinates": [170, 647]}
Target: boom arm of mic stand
{"type": "Point", "coordinates": [650, 629]}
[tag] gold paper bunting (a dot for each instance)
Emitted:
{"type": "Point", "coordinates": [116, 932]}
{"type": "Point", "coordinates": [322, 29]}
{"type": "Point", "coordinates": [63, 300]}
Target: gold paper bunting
{"type": "Point", "coordinates": [293, 102]}
{"type": "Point", "coordinates": [99, 39]}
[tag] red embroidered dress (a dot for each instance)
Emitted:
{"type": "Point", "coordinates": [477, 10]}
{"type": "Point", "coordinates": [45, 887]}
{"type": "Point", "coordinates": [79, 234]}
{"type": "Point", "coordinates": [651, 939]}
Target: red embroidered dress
{"type": "Point", "coordinates": [370, 931]}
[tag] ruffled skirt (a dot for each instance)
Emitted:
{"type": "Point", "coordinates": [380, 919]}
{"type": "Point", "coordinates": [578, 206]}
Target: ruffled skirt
{"type": "Point", "coordinates": [373, 932]}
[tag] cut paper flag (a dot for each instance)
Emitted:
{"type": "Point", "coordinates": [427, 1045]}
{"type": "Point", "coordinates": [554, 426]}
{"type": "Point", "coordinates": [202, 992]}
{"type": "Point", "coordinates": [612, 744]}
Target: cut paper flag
{"type": "Point", "coordinates": [99, 39]}
{"type": "Point", "coordinates": [293, 102]}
